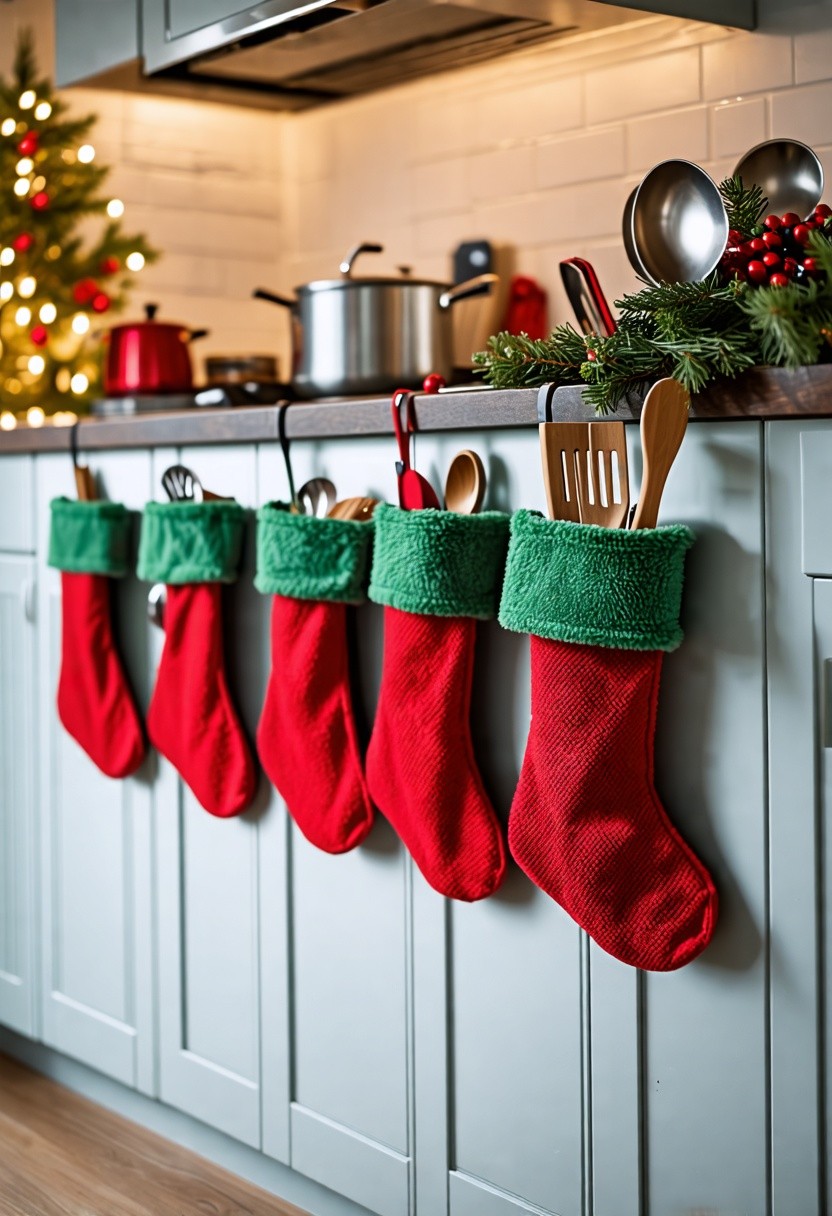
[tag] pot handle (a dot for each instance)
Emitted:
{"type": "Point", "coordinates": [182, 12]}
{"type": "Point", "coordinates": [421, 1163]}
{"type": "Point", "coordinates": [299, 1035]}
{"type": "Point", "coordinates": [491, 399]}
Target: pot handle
{"type": "Point", "coordinates": [363, 247]}
{"type": "Point", "coordinates": [480, 286]}
{"type": "Point", "coordinates": [260, 293]}
{"type": "Point", "coordinates": [195, 334]}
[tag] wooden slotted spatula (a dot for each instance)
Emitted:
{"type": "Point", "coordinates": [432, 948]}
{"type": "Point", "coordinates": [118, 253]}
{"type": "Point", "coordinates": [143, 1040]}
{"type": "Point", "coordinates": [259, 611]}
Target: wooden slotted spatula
{"type": "Point", "coordinates": [604, 498]}
{"type": "Point", "coordinates": [563, 445]}
{"type": "Point", "coordinates": [664, 420]}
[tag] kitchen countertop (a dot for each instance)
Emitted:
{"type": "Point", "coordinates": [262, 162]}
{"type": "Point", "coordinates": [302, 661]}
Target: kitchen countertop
{"type": "Point", "coordinates": [763, 394]}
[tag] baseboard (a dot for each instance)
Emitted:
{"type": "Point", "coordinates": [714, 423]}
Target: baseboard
{"type": "Point", "coordinates": [237, 1158]}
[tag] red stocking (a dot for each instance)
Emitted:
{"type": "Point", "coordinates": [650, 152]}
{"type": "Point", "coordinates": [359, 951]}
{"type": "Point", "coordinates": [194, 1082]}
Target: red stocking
{"type": "Point", "coordinates": [88, 543]}
{"type": "Point", "coordinates": [194, 547]}
{"type": "Point", "coordinates": [435, 572]}
{"type": "Point", "coordinates": [586, 824]}
{"type": "Point", "coordinates": [307, 739]}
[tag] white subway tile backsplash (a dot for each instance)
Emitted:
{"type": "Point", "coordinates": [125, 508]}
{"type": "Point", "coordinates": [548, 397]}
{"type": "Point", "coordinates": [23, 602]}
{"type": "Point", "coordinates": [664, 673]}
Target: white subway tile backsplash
{"type": "Point", "coordinates": [440, 186]}
{"type": "Point", "coordinates": [504, 172]}
{"type": "Point", "coordinates": [813, 56]}
{"type": "Point", "coordinates": [525, 112]}
{"type": "Point", "coordinates": [680, 135]}
{"type": "Point", "coordinates": [738, 126]}
{"type": "Point", "coordinates": [581, 158]}
{"type": "Point", "coordinates": [803, 113]}
{"type": "Point", "coordinates": [643, 85]}
{"type": "Point", "coordinates": [746, 63]}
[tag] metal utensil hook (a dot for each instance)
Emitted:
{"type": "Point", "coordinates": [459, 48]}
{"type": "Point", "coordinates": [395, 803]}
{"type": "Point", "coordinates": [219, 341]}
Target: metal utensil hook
{"type": "Point", "coordinates": [284, 447]}
{"type": "Point", "coordinates": [545, 398]}
{"type": "Point", "coordinates": [84, 481]}
{"type": "Point", "coordinates": [403, 397]}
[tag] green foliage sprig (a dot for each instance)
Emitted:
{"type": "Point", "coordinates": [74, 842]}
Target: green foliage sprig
{"type": "Point", "coordinates": [695, 332]}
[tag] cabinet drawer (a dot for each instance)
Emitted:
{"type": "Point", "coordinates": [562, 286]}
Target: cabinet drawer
{"type": "Point", "coordinates": [17, 513]}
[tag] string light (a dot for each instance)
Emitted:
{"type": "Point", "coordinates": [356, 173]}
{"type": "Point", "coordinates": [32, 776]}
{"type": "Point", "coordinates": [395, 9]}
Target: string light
{"type": "Point", "coordinates": [25, 166]}
{"type": "Point", "coordinates": [135, 261]}
{"type": "Point", "coordinates": [86, 153]}
{"type": "Point", "coordinates": [27, 286]}
{"type": "Point", "coordinates": [21, 187]}
{"type": "Point", "coordinates": [8, 126]}
{"type": "Point", "coordinates": [80, 323]}
{"type": "Point", "coordinates": [115, 208]}
{"type": "Point", "coordinates": [64, 418]}
{"type": "Point", "coordinates": [36, 364]}
{"type": "Point", "coordinates": [79, 383]}
{"type": "Point", "coordinates": [42, 110]}
{"type": "Point", "coordinates": [35, 416]}
{"type": "Point", "coordinates": [23, 315]}
{"type": "Point", "coordinates": [6, 256]}
{"type": "Point", "coordinates": [53, 252]}
{"type": "Point", "coordinates": [27, 100]}
{"type": "Point", "coordinates": [6, 290]}
{"type": "Point", "coordinates": [13, 385]}
{"type": "Point", "coordinates": [62, 379]}
{"type": "Point", "coordinates": [38, 184]}
{"type": "Point", "coordinates": [7, 421]}
{"type": "Point", "coordinates": [48, 313]}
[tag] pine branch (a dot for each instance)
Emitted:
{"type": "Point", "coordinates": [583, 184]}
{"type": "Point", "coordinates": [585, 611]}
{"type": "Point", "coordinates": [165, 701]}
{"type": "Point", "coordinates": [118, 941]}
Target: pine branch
{"type": "Point", "coordinates": [745, 205]}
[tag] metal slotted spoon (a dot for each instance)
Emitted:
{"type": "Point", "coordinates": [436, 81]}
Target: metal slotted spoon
{"type": "Point", "coordinates": [181, 484]}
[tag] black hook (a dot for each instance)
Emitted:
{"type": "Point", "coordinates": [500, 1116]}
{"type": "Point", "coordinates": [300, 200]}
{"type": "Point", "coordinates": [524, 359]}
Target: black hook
{"type": "Point", "coordinates": [73, 442]}
{"type": "Point", "coordinates": [284, 447]}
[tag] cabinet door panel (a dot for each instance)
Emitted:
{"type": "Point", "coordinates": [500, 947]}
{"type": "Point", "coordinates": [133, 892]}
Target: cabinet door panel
{"type": "Point", "coordinates": [95, 833]}
{"type": "Point", "coordinates": [17, 523]}
{"type": "Point", "coordinates": [17, 796]}
{"type": "Point", "coordinates": [208, 888]}
{"type": "Point", "coordinates": [823, 683]}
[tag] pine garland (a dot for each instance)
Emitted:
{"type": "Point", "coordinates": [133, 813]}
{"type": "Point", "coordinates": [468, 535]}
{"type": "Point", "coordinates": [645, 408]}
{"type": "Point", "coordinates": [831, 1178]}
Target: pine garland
{"type": "Point", "coordinates": [695, 332]}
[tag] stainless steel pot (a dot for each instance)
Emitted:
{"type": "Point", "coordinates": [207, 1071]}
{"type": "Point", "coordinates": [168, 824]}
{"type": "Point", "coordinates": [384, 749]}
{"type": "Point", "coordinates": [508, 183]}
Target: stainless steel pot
{"type": "Point", "coordinates": [364, 336]}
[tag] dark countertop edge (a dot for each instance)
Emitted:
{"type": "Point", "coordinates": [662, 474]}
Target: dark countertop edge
{"type": "Point", "coordinates": [762, 394]}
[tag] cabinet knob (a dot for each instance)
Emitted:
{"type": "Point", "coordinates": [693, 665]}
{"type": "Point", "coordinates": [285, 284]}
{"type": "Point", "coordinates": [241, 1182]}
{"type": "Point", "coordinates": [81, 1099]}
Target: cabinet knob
{"type": "Point", "coordinates": [28, 600]}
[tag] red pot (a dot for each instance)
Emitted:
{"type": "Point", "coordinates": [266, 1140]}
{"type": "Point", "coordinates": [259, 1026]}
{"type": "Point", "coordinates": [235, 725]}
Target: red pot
{"type": "Point", "coordinates": [149, 357]}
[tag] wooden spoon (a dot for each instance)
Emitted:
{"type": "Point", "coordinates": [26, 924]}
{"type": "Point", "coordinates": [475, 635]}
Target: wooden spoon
{"type": "Point", "coordinates": [465, 484]}
{"type": "Point", "coordinates": [664, 420]}
{"type": "Point", "coordinates": [360, 509]}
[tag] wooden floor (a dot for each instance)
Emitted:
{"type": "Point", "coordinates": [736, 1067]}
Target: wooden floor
{"type": "Point", "coordinates": [61, 1155]}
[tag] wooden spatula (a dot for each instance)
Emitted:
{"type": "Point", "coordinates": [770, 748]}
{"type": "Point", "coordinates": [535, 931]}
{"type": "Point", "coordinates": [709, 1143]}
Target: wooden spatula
{"type": "Point", "coordinates": [604, 499]}
{"type": "Point", "coordinates": [563, 445]}
{"type": "Point", "coordinates": [664, 420]}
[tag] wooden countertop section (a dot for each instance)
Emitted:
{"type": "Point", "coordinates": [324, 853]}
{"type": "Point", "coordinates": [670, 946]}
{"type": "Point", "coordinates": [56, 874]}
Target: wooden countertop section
{"type": "Point", "coordinates": [762, 394]}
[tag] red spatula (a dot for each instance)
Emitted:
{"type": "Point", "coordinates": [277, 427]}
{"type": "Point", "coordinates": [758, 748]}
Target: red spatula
{"type": "Point", "coordinates": [415, 491]}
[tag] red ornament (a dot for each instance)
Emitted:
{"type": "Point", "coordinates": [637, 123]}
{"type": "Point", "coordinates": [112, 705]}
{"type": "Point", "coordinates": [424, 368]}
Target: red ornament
{"type": "Point", "coordinates": [110, 266]}
{"type": "Point", "coordinates": [790, 219]}
{"type": "Point", "coordinates": [810, 265]}
{"type": "Point", "coordinates": [771, 260]}
{"type": "Point", "coordinates": [772, 222]}
{"type": "Point", "coordinates": [591, 356]}
{"type": "Point", "coordinates": [433, 382]}
{"type": "Point", "coordinates": [734, 236]}
{"type": "Point", "coordinates": [778, 280]}
{"type": "Point", "coordinates": [28, 145]}
{"type": "Point", "coordinates": [772, 240]}
{"type": "Point", "coordinates": [100, 301]}
{"type": "Point", "coordinates": [39, 335]}
{"type": "Point", "coordinates": [802, 233]}
{"type": "Point", "coordinates": [23, 243]}
{"type": "Point", "coordinates": [84, 290]}
{"type": "Point", "coordinates": [39, 201]}
{"type": "Point", "coordinates": [822, 211]}
{"type": "Point", "coordinates": [790, 267]}
{"type": "Point", "coordinates": [757, 245]}
{"type": "Point", "coordinates": [757, 272]}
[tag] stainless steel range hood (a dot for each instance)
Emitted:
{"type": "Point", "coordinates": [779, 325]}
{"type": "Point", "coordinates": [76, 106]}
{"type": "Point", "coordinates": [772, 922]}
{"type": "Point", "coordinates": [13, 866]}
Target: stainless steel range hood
{"type": "Point", "coordinates": [321, 50]}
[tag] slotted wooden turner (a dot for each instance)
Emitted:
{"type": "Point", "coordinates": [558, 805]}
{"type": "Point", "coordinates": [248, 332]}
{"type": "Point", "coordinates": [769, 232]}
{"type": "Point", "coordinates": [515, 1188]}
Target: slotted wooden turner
{"type": "Point", "coordinates": [562, 446]}
{"type": "Point", "coordinates": [603, 476]}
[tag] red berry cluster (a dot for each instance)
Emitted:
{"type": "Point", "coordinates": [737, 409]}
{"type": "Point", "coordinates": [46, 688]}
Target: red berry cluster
{"type": "Point", "coordinates": [775, 253]}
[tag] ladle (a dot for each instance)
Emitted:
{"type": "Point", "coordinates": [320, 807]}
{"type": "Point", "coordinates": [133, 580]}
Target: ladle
{"type": "Point", "coordinates": [788, 173]}
{"type": "Point", "coordinates": [360, 509]}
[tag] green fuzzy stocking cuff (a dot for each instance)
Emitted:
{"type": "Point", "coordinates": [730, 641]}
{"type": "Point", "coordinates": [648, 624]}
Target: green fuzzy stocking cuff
{"type": "Point", "coordinates": [595, 586]}
{"type": "Point", "coordinates": [437, 563]}
{"type": "Point", "coordinates": [191, 542]}
{"type": "Point", "coordinates": [89, 537]}
{"type": "Point", "coordinates": [308, 558]}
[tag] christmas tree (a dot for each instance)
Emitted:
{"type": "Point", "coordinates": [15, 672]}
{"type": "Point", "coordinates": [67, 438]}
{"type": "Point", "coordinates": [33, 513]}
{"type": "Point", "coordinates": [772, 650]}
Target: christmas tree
{"type": "Point", "coordinates": [54, 287]}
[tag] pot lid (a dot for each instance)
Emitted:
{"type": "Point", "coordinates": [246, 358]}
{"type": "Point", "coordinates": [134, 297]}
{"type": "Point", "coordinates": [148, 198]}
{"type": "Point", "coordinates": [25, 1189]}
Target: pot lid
{"type": "Point", "coordinates": [350, 284]}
